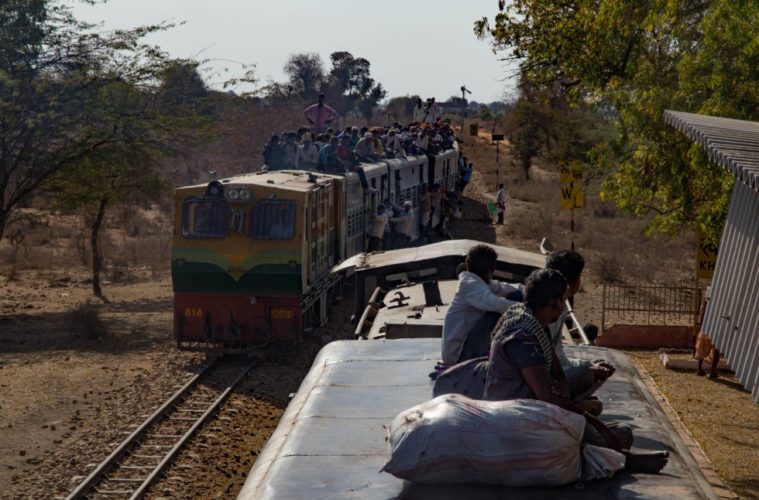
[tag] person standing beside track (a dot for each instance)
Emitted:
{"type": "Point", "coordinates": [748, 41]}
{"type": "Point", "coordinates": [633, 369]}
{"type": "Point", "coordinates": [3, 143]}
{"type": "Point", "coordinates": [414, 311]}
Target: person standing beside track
{"type": "Point", "coordinates": [500, 202]}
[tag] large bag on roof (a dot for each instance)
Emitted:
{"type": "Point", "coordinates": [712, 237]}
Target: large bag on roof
{"type": "Point", "coordinates": [454, 439]}
{"type": "Point", "coordinates": [467, 378]}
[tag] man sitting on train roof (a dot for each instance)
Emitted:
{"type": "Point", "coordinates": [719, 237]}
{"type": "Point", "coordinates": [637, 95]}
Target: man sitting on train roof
{"type": "Point", "coordinates": [524, 365]}
{"type": "Point", "coordinates": [307, 157]}
{"type": "Point", "coordinates": [329, 161]}
{"type": "Point", "coordinates": [582, 374]}
{"type": "Point", "coordinates": [475, 308]}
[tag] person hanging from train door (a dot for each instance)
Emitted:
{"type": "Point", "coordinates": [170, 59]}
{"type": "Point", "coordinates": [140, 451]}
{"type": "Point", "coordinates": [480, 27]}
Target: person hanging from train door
{"type": "Point", "coordinates": [403, 226]}
{"type": "Point", "coordinates": [476, 307]}
{"type": "Point", "coordinates": [377, 231]}
{"type": "Point", "coordinates": [425, 208]}
{"type": "Point", "coordinates": [500, 202]}
{"type": "Point", "coordinates": [319, 115]}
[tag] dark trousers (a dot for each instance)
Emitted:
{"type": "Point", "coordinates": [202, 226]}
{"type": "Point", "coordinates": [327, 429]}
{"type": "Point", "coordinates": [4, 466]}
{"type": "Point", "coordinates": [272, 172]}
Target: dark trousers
{"type": "Point", "coordinates": [375, 244]}
{"type": "Point", "coordinates": [477, 343]}
{"type": "Point", "coordinates": [500, 217]}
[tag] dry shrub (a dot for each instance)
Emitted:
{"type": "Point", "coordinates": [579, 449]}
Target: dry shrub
{"type": "Point", "coordinates": [604, 210]}
{"type": "Point", "coordinates": [529, 225]}
{"type": "Point", "coordinates": [609, 268]}
{"type": "Point", "coordinates": [85, 322]}
{"type": "Point", "coordinates": [533, 191]}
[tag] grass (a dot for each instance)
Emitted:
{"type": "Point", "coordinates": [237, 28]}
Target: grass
{"type": "Point", "coordinates": [720, 415]}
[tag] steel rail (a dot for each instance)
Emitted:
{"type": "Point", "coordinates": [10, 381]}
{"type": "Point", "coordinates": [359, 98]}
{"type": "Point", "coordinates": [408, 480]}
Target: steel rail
{"type": "Point", "coordinates": [140, 491]}
{"type": "Point", "coordinates": [108, 464]}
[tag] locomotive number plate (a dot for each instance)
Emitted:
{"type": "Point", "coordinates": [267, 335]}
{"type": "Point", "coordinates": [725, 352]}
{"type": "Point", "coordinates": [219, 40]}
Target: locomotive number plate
{"type": "Point", "coordinates": [281, 314]}
{"type": "Point", "coordinates": [193, 312]}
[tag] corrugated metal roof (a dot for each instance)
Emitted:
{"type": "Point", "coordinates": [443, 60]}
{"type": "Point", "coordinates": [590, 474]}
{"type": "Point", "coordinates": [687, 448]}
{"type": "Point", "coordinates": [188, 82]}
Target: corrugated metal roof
{"type": "Point", "coordinates": [731, 319]}
{"type": "Point", "coordinates": [733, 144]}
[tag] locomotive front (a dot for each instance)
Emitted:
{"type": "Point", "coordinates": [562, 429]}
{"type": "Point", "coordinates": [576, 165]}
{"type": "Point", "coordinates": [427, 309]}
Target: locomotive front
{"type": "Point", "coordinates": [237, 263]}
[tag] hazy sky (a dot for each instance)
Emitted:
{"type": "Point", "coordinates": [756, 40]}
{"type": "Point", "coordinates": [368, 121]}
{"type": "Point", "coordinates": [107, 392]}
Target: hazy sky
{"type": "Point", "coordinates": [424, 47]}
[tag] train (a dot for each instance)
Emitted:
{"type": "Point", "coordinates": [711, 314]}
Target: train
{"type": "Point", "coordinates": [332, 440]}
{"type": "Point", "coordinates": [253, 254]}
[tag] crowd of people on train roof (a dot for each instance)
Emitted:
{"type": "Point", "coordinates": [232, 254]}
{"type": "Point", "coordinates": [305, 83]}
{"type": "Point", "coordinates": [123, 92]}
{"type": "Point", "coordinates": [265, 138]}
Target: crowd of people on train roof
{"type": "Point", "coordinates": [320, 146]}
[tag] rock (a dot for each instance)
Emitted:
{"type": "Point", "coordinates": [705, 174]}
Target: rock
{"type": "Point", "coordinates": [52, 427]}
{"type": "Point", "coordinates": [22, 453]}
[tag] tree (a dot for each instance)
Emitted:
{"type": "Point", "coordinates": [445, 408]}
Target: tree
{"type": "Point", "coordinates": [52, 68]}
{"type": "Point", "coordinates": [401, 108]}
{"type": "Point", "coordinates": [351, 86]}
{"type": "Point", "coordinates": [126, 169]}
{"type": "Point", "coordinates": [633, 60]}
{"type": "Point", "coordinates": [306, 72]}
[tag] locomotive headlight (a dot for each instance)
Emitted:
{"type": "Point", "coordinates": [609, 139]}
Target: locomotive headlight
{"type": "Point", "coordinates": [233, 194]}
{"type": "Point", "coordinates": [245, 195]}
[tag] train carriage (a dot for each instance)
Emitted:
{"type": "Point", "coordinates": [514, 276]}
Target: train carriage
{"type": "Point", "coordinates": [252, 254]}
{"type": "Point", "coordinates": [332, 440]}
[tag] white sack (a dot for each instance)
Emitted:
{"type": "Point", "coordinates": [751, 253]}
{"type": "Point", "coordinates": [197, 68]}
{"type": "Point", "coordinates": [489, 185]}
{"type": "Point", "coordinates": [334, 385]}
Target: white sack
{"type": "Point", "coordinates": [599, 463]}
{"type": "Point", "coordinates": [454, 439]}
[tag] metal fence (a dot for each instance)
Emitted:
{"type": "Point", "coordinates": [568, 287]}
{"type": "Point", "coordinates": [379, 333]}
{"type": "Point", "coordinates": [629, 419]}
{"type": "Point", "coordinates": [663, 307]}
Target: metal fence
{"type": "Point", "coordinates": [650, 305]}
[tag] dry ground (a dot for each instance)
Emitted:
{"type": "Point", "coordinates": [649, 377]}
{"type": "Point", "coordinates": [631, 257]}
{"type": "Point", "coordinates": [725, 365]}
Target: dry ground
{"type": "Point", "coordinates": [67, 394]}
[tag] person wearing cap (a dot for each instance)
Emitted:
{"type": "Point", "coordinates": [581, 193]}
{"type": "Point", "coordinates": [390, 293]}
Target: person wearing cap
{"type": "Point", "coordinates": [319, 115]}
{"type": "Point", "coordinates": [365, 148]}
{"type": "Point", "coordinates": [289, 151]}
{"type": "Point", "coordinates": [307, 156]}
{"type": "Point", "coordinates": [393, 144]}
{"type": "Point", "coordinates": [404, 225]}
{"type": "Point", "coordinates": [354, 136]}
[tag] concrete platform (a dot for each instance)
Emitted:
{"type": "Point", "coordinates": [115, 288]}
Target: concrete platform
{"type": "Point", "coordinates": [331, 442]}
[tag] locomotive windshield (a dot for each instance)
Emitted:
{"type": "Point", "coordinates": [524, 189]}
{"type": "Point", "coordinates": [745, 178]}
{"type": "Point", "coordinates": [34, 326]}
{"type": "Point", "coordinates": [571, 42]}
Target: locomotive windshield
{"type": "Point", "coordinates": [273, 220]}
{"type": "Point", "coordinates": [204, 218]}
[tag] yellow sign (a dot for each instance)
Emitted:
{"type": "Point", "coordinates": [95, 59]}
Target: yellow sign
{"type": "Point", "coordinates": [572, 196]}
{"type": "Point", "coordinates": [706, 258]}
{"type": "Point", "coordinates": [570, 177]}
{"type": "Point", "coordinates": [570, 172]}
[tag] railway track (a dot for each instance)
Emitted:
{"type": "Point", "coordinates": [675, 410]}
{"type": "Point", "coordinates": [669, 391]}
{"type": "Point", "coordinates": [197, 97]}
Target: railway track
{"type": "Point", "coordinates": [144, 455]}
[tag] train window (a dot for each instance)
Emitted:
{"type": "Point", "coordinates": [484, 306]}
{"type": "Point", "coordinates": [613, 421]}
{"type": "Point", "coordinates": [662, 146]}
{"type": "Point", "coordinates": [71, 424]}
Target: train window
{"type": "Point", "coordinates": [204, 218]}
{"type": "Point", "coordinates": [273, 220]}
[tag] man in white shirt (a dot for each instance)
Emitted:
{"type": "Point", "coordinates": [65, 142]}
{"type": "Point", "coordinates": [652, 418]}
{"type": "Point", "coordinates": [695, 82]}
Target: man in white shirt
{"type": "Point", "coordinates": [404, 226]}
{"type": "Point", "coordinates": [476, 307]}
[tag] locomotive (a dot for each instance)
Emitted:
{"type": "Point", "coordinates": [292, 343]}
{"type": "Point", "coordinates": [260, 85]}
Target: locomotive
{"type": "Point", "coordinates": [252, 254]}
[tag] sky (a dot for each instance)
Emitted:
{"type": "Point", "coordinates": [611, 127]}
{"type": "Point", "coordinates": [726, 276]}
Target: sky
{"type": "Point", "coordinates": [424, 47]}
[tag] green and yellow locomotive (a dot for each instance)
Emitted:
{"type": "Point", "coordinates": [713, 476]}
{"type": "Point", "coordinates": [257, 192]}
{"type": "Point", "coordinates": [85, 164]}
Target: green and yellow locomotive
{"type": "Point", "coordinates": [252, 254]}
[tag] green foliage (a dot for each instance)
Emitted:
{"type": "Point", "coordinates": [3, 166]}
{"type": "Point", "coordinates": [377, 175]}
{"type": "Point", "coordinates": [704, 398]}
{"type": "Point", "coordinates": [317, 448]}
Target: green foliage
{"type": "Point", "coordinates": [350, 85]}
{"type": "Point", "coordinates": [55, 75]}
{"type": "Point", "coordinates": [633, 60]}
{"type": "Point", "coordinates": [306, 72]}
{"type": "Point", "coordinates": [401, 108]}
